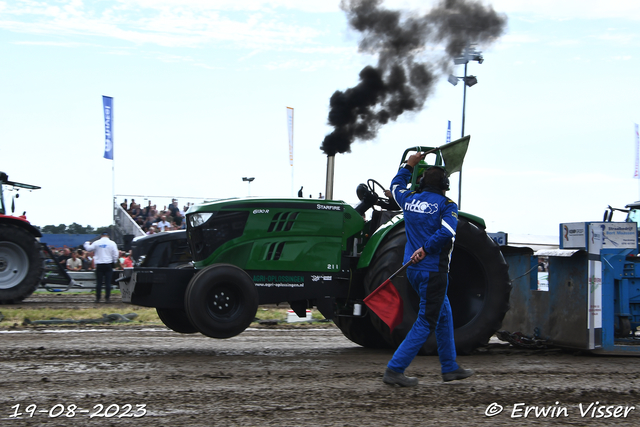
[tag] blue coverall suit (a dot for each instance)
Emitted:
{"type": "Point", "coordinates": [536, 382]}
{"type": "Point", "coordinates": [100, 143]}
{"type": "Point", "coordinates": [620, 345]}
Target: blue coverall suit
{"type": "Point", "coordinates": [430, 222]}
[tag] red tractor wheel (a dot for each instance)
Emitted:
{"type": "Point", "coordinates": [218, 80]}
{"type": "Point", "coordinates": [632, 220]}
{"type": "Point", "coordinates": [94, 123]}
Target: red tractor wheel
{"type": "Point", "coordinates": [21, 265]}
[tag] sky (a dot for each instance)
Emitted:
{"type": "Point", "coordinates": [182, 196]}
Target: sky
{"type": "Point", "coordinates": [200, 90]}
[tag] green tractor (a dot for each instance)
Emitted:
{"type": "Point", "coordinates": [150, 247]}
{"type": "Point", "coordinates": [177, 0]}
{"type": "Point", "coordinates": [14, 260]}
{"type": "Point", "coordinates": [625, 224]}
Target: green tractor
{"type": "Point", "coordinates": [317, 253]}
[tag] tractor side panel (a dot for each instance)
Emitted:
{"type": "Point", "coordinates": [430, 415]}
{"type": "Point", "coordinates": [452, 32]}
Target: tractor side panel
{"type": "Point", "coordinates": [291, 236]}
{"type": "Point", "coordinates": [278, 286]}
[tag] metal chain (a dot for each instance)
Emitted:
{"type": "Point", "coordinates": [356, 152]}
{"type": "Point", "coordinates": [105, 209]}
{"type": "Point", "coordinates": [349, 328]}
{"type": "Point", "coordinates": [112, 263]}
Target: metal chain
{"type": "Point", "coordinates": [518, 339]}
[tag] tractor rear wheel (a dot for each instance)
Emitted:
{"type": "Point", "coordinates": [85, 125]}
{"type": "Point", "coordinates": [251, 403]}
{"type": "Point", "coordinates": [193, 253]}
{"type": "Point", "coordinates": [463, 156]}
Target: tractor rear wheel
{"type": "Point", "coordinates": [479, 287]}
{"type": "Point", "coordinates": [21, 264]}
{"type": "Point", "coordinates": [221, 301]}
{"type": "Point", "coordinates": [361, 331]}
{"type": "Point", "coordinates": [176, 320]}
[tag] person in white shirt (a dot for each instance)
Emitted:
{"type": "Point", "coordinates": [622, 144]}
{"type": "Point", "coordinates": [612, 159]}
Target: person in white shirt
{"type": "Point", "coordinates": [105, 254]}
{"type": "Point", "coordinates": [163, 224]}
{"type": "Point", "coordinates": [74, 263]}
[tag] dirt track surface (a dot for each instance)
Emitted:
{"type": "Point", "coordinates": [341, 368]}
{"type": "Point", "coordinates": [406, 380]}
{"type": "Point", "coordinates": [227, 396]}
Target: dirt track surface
{"type": "Point", "coordinates": [292, 377]}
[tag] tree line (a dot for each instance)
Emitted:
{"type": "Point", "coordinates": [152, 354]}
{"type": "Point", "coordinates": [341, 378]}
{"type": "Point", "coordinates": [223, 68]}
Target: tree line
{"type": "Point", "coordinates": [74, 228]}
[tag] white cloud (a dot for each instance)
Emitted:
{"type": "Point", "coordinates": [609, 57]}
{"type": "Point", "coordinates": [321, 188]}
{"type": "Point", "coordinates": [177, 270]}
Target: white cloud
{"type": "Point", "coordinates": [565, 42]}
{"type": "Point", "coordinates": [571, 9]}
{"type": "Point", "coordinates": [299, 65]}
{"type": "Point", "coordinates": [164, 23]}
{"type": "Point", "coordinates": [619, 38]}
{"type": "Point", "coordinates": [314, 6]}
{"type": "Point", "coordinates": [542, 9]}
{"type": "Point", "coordinates": [51, 43]}
{"type": "Point", "coordinates": [542, 176]}
{"type": "Point", "coordinates": [255, 24]}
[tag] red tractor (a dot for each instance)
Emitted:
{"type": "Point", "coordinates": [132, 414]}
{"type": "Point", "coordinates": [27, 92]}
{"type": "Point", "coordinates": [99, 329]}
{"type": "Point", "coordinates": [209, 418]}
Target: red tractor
{"type": "Point", "coordinates": [21, 258]}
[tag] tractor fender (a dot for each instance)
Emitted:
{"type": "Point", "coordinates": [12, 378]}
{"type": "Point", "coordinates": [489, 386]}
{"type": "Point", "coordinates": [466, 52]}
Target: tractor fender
{"type": "Point", "coordinates": [20, 222]}
{"type": "Point", "coordinates": [374, 242]}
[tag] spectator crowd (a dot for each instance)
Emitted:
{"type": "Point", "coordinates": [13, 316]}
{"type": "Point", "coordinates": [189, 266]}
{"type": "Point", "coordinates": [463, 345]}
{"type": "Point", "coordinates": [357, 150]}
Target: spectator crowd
{"type": "Point", "coordinates": [72, 259]}
{"type": "Point", "coordinates": [152, 221]}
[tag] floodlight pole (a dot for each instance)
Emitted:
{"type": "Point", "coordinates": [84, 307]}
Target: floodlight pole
{"type": "Point", "coordinates": [469, 55]}
{"type": "Point", "coordinates": [464, 105]}
{"type": "Point", "coordinates": [464, 97]}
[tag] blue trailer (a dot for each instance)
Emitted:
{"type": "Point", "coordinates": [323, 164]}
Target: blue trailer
{"type": "Point", "coordinates": [593, 298]}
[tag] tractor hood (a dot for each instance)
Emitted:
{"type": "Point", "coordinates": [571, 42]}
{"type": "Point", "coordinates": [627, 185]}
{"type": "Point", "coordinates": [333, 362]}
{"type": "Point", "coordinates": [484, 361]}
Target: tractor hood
{"type": "Point", "coordinates": [259, 233]}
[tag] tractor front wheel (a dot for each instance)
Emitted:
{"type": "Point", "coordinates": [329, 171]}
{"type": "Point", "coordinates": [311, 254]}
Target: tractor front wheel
{"type": "Point", "coordinates": [221, 301]}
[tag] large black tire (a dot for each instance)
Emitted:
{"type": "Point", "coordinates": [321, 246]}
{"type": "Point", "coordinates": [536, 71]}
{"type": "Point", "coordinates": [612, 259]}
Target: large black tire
{"type": "Point", "coordinates": [479, 287]}
{"type": "Point", "coordinates": [176, 320]}
{"type": "Point", "coordinates": [361, 331]}
{"type": "Point", "coordinates": [21, 264]}
{"type": "Point", "coordinates": [221, 301]}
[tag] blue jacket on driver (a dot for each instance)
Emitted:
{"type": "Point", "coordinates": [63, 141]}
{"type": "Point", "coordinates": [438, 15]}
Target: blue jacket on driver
{"type": "Point", "coordinates": [431, 220]}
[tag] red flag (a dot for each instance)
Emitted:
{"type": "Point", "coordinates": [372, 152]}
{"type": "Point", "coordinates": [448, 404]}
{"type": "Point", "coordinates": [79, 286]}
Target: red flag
{"type": "Point", "coordinates": [386, 302]}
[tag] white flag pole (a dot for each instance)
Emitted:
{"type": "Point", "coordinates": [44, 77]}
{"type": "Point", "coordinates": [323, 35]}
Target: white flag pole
{"type": "Point", "coordinates": [636, 174]}
{"type": "Point", "coordinates": [290, 131]}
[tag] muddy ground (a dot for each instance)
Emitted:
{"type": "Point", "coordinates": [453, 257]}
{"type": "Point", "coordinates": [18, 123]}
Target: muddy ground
{"type": "Point", "coordinates": [273, 376]}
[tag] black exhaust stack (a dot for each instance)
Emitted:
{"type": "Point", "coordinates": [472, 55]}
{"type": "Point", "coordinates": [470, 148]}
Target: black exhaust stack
{"type": "Point", "coordinates": [330, 175]}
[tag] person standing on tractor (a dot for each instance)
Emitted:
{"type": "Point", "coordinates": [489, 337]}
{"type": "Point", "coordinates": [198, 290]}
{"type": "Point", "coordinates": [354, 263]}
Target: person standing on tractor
{"type": "Point", "coordinates": [430, 220]}
{"type": "Point", "coordinates": [105, 255]}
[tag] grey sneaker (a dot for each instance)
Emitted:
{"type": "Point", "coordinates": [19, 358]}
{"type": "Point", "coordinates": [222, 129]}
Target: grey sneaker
{"type": "Point", "coordinates": [458, 374]}
{"type": "Point", "coordinates": [396, 378]}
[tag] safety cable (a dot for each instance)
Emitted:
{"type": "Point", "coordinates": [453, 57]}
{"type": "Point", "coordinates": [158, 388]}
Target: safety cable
{"type": "Point", "coordinates": [524, 274]}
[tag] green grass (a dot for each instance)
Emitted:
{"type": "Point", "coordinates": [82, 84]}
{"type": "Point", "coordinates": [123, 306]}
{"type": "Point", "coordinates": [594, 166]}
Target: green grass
{"type": "Point", "coordinates": [280, 314]}
{"type": "Point", "coordinates": [15, 317]}
{"type": "Point", "coordinates": [71, 292]}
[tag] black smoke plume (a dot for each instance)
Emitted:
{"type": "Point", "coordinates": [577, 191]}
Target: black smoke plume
{"type": "Point", "coordinates": [401, 81]}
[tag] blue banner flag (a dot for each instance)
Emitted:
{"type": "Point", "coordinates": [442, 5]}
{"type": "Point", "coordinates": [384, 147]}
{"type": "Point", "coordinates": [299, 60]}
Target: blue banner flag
{"type": "Point", "coordinates": [449, 132]}
{"type": "Point", "coordinates": [107, 104]}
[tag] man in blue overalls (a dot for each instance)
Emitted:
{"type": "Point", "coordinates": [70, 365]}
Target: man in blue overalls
{"type": "Point", "coordinates": [430, 222]}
